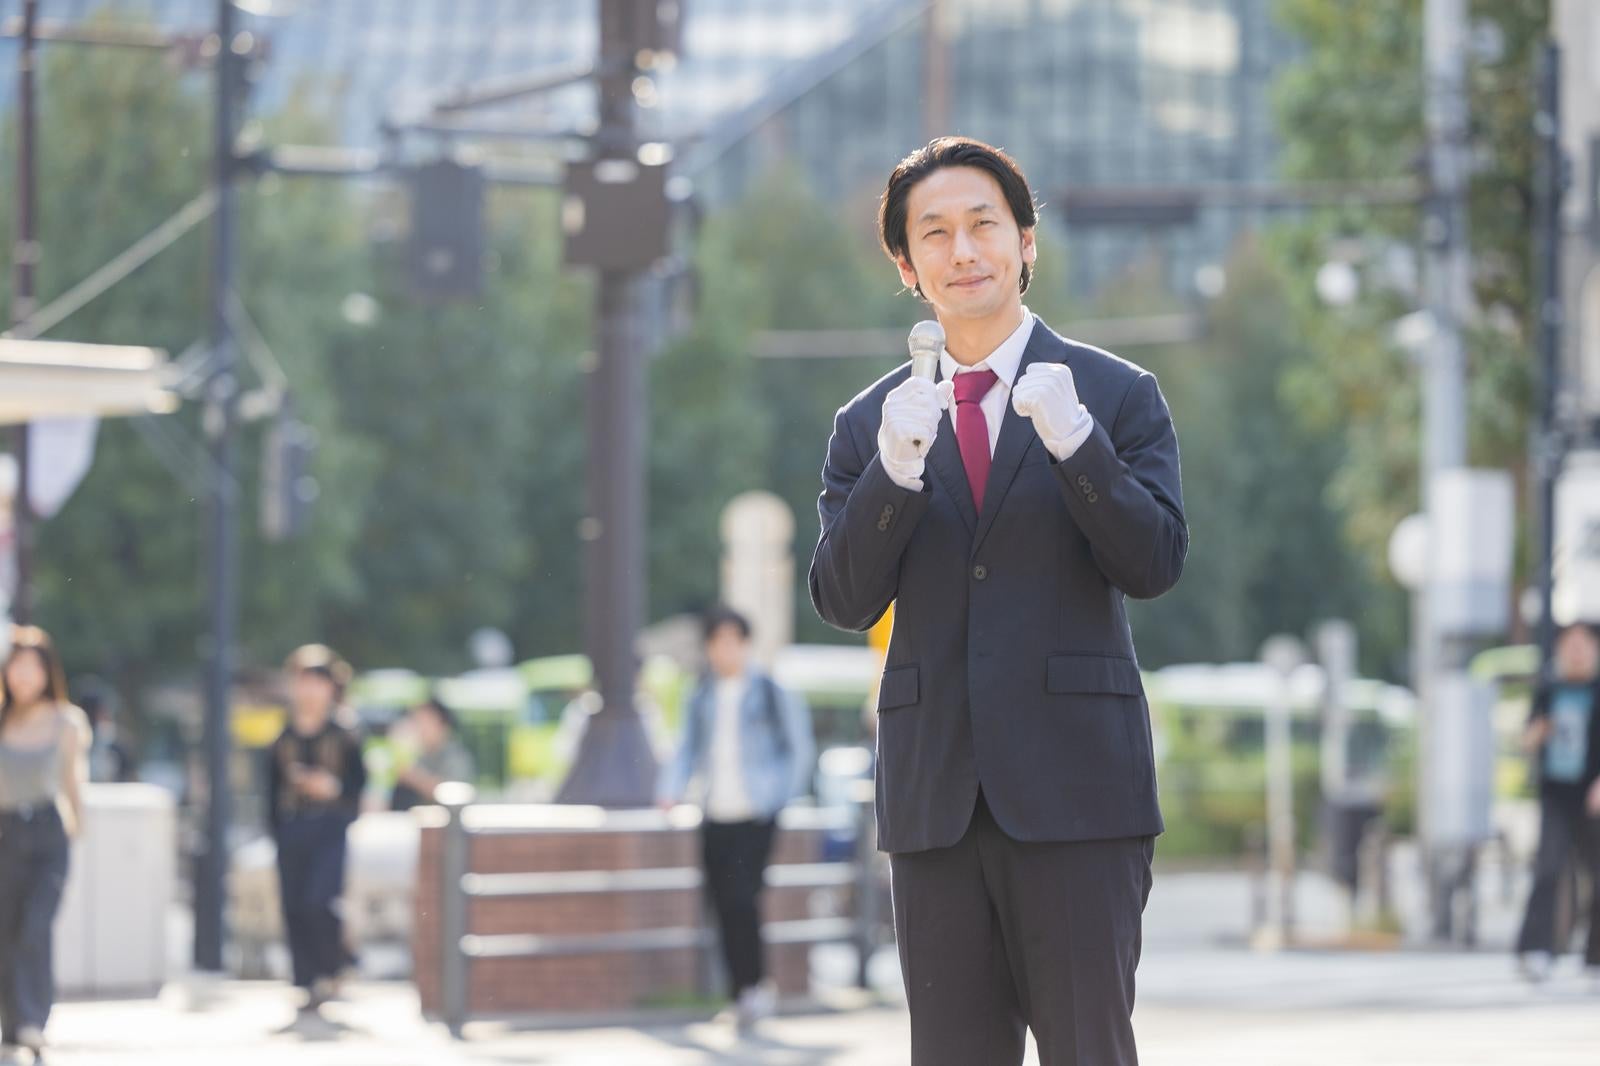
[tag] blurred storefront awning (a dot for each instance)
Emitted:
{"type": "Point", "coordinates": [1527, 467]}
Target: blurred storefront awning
{"type": "Point", "coordinates": [51, 379]}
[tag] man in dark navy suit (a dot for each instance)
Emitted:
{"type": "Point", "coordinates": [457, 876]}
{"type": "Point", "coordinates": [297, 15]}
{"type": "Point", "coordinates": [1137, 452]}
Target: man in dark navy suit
{"type": "Point", "coordinates": [1006, 509]}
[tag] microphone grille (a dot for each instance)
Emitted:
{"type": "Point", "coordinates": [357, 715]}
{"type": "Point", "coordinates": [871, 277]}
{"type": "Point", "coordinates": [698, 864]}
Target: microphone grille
{"type": "Point", "coordinates": [926, 336]}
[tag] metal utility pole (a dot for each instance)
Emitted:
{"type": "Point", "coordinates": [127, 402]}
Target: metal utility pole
{"type": "Point", "coordinates": [221, 418]}
{"type": "Point", "coordinates": [1548, 449]}
{"type": "Point", "coordinates": [615, 766]}
{"type": "Point", "coordinates": [24, 258]}
{"type": "Point", "coordinates": [1282, 655]}
{"type": "Point", "coordinates": [1447, 295]}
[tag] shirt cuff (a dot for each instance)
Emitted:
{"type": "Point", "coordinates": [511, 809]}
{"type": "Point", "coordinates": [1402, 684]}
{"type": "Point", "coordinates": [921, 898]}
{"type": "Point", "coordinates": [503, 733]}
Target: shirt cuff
{"type": "Point", "coordinates": [1063, 448]}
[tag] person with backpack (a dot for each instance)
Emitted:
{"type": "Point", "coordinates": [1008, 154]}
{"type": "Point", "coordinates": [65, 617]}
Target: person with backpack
{"type": "Point", "coordinates": [748, 743]}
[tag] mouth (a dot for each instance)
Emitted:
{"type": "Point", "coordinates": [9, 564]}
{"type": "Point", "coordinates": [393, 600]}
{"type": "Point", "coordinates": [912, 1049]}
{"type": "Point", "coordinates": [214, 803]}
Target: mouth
{"type": "Point", "coordinates": [968, 284]}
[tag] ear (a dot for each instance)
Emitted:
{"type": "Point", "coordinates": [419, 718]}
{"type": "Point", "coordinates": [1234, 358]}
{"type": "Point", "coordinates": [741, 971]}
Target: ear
{"type": "Point", "coordinates": [908, 273]}
{"type": "Point", "coordinates": [1030, 249]}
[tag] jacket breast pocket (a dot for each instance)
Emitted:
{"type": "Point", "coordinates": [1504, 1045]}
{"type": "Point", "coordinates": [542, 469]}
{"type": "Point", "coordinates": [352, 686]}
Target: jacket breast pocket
{"type": "Point", "coordinates": [900, 687]}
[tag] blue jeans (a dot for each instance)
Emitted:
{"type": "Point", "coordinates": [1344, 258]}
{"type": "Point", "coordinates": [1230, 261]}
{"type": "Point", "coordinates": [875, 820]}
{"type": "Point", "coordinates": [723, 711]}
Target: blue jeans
{"type": "Point", "coordinates": [33, 873]}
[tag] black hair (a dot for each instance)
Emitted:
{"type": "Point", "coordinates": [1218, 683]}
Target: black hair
{"type": "Point", "coordinates": [952, 152]}
{"type": "Point", "coordinates": [443, 711]}
{"type": "Point", "coordinates": [720, 616]}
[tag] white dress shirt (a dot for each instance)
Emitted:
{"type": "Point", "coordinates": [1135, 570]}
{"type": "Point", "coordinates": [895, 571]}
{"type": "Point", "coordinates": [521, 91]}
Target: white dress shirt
{"type": "Point", "coordinates": [727, 799]}
{"type": "Point", "coordinates": [1004, 361]}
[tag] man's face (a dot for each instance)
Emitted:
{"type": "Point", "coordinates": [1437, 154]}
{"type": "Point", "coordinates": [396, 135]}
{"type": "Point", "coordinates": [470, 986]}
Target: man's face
{"type": "Point", "coordinates": [727, 651]}
{"type": "Point", "coordinates": [1578, 655]}
{"type": "Point", "coordinates": [966, 249]}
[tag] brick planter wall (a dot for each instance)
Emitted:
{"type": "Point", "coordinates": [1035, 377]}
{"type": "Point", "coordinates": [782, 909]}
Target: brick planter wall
{"type": "Point", "coordinates": [608, 981]}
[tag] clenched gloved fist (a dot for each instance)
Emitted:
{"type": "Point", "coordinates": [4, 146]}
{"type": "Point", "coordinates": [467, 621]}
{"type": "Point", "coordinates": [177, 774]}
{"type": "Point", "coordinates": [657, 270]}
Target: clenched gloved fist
{"type": "Point", "coordinates": [1048, 395]}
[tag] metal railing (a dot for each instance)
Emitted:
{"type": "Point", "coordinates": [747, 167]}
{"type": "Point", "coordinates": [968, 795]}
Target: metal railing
{"type": "Point", "coordinates": [460, 885]}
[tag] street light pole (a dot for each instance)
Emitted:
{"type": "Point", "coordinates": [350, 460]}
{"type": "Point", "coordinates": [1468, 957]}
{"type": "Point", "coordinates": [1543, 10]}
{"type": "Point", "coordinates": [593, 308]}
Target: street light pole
{"type": "Point", "coordinates": [615, 766]}
{"type": "Point", "coordinates": [1438, 656]}
{"type": "Point", "coordinates": [221, 419]}
{"type": "Point", "coordinates": [1548, 443]}
{"type": "Point", "coordinates": [24, 258]}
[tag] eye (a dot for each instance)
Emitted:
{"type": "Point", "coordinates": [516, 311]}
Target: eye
{"type": "Point", "coordinates": [985, 221]}
{"type": "Point", "coordinates": [934, 233]}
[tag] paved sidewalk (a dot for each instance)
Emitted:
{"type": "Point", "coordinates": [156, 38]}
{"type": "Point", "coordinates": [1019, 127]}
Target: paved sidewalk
{"type": "Point", "coordinates": [1197, 1008]}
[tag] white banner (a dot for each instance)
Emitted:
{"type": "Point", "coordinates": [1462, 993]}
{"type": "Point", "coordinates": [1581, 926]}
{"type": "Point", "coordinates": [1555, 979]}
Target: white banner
{"type": "Point", "coordinates": [60, 452]}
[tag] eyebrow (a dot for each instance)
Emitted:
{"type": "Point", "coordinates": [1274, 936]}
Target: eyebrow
{"type": "Point", "coordinates": [934, 216]}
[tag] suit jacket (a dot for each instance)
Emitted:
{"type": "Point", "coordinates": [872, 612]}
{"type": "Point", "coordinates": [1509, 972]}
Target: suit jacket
{"type": "Point", "coordinates": [1011, 665]}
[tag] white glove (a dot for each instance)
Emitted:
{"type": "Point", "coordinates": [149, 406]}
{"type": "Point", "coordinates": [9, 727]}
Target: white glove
{"type": "Point", "coordinates": [1048, 395]}
{"type": "Point", "coordinates": [911, 415]}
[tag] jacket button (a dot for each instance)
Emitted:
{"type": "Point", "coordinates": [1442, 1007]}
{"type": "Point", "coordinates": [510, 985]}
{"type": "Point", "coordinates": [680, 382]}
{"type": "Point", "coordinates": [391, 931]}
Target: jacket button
{"type": "Point", "coordinates": [888, 512]}
{"type": "Point", "coordinates": [980, 572]}
{"type": "Point", "coordinates": [1083, 479]}
{"type": "Point", "coordinates": [1092, 498]}
{"type": "Point", "coordinates": [883, 525]}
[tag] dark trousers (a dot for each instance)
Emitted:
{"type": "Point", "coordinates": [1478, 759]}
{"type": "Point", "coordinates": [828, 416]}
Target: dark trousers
{"type": "Point", "coordinates": [311, 853]}
{"type": "Point", "coordinates": [735, 856]}
{"type": "Point", "coordinates": [1565, 830]}
{"type": "Point", "coordinates": [997, 936]}
{"type": "Point", "coordinates": [33, 873]}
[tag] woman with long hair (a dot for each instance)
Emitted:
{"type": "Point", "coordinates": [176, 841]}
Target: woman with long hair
{"type": "Point", "coordinates": [44, 744]}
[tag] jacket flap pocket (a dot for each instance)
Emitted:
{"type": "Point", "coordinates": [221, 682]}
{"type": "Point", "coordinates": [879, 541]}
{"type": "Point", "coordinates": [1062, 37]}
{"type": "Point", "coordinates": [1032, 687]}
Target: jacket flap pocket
{"type": "Point", "coordinates": [1092, 673]}
{"type": "Point", "coordinates": [899, 687]}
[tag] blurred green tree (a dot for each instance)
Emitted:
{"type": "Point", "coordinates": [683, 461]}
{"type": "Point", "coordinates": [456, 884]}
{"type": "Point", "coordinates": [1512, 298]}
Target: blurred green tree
{"type": "Point", "coordinates": [1352, 108]}
{"type": "Point", "coordinates": [1266, 553]}
{"type": "Point", "coordinates": [124, 142]}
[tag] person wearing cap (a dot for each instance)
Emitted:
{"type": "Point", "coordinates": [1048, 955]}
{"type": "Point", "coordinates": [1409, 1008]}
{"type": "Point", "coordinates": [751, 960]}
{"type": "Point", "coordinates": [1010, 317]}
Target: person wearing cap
{"type": "Point", "coordinates": [315, 776]}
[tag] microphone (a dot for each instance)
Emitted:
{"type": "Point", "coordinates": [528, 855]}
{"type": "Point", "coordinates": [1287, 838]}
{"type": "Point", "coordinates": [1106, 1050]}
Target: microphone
{"type": "Point", "coordinates": [926, 343]}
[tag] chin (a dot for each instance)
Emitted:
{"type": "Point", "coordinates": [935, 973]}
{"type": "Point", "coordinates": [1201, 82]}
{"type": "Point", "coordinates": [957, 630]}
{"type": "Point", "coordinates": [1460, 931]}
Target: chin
{"type": "Point", "coordinates": [978, 305]}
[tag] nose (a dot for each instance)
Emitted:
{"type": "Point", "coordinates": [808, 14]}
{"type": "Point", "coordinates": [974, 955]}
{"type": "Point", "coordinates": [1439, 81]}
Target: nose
{"type": "Point", "coordinates": [963, 249]}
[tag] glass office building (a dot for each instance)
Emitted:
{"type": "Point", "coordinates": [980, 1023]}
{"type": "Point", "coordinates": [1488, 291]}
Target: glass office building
{"type": "Point", "coordinates": [1083, 92]}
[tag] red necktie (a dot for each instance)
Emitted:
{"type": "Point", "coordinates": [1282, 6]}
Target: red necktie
{"type": "Point", "coordinates": [972, 429]}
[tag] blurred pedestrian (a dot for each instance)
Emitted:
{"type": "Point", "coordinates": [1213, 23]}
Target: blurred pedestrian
{"type": "Point", "coordinates": [44, 741]}
{"type": "Point", "coordinates": [1007, 498]}
{"type": "Point", "coordinates": [109, 758]}
{"type": "Point", "coordinates": [430, 730]}
{"type": "Point", "coordinates": [1564, 734]}
{"type": "Point", "coordinates": [315, 776]}
{"type": "Point", "coordinates": [748, 742]}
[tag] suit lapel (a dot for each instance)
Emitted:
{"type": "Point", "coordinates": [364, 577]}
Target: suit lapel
{"type": "Point", "coordinates": [945, 459]}
{"type": "Point", "coordinates": [1016, 436]}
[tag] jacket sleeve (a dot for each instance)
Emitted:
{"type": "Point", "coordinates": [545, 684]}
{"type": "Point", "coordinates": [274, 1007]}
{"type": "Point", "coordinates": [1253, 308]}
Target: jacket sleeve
{"type": "Point", "coordinates": [673, 781]}
{"type": "Point", "coordinates": [801, 742]}
{"type": "Point", "coordinates": [274, 787]}
{"type": "Point", "coordinates": [1539, 705]}
{"type": "Point", "coordinates": [353, 775]}
{"type": "Point", "coordinates": [1125, 492]}
{"type": "Point", "coordinates": [866, 520]}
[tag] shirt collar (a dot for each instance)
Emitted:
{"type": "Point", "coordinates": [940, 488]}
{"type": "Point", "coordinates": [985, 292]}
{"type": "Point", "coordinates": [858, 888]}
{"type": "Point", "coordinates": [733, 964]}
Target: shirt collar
{"type": "Point", "coordinates": [1004, 360]}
